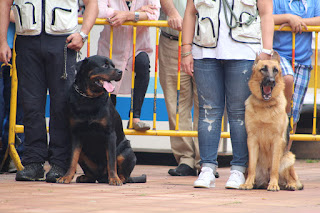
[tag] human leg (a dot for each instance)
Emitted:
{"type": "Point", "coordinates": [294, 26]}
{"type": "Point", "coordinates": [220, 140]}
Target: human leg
{"type": "Point", "coordinates": [59, 145]}
{"type": "Point", "coordinates": [183, 148]}
{"type": "Point", "coordinates": [33, 89]}
{"type": "Point", "coordinates": [142, 71]}
{"type": "Point", "coordinates": [301, 82]}
{"type": "Point", "coordinates": [237, 74]}
{"type": "Point", "coordinates": [209, 78]}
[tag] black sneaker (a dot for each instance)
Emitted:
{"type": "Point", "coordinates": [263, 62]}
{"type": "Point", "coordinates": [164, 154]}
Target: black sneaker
{"type": "Point", "coordinates": [55, 173]}
{"type": "Point", "coordinates": [31, 172]}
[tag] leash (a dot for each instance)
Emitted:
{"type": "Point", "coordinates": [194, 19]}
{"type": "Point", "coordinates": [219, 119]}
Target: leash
{"type": "Point", "coordinates": [65, 52]}
{"type": "Point", "coordinates": [65, 56]}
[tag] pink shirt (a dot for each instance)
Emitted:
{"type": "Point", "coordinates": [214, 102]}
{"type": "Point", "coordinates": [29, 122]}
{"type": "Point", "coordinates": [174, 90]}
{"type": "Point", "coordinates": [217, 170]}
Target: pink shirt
{"type": "Point", "coordinates": [123, 39]}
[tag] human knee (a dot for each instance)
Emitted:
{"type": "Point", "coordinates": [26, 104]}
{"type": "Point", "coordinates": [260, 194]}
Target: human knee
{"type": "Point", "coordinates": [142, 63]}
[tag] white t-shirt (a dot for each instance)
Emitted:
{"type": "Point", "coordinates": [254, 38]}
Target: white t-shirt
{"type": "Point", "coordinates": [227, 48]}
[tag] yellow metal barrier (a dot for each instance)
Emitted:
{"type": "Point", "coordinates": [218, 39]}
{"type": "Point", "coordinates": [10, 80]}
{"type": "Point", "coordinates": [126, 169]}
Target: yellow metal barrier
{"type": "Point", "coordinates": [13, 128]}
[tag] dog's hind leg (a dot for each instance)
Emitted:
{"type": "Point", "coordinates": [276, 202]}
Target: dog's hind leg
{"type": "Point", "coordinates": [293, 182]}
{"type": "Point", "coordinates": [126, 161]}
{"type": "Point", "coordinates": [89, 168]}
{"type": "Point", "coordinates": [253, 159]}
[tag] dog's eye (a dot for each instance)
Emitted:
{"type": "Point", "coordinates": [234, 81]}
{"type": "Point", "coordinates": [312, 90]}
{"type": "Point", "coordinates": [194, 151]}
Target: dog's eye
{"type": "Point", "coordinates": [275, 70]}
{"type": "Point", "coordinates": [105, 65]}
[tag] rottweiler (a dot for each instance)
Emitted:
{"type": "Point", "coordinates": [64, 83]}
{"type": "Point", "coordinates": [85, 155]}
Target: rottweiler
{"type": "Point", "coordinates": [99, 144]}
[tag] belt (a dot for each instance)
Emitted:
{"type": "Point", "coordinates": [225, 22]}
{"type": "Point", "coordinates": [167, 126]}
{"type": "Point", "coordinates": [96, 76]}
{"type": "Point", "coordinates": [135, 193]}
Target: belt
{"type": "Point", "coordinates": [167, 35]}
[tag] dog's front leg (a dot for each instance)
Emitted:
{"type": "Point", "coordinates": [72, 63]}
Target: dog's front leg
{"type": "Point", "coordinates": [253, 148]}
{"type": "Point", "coordinates": [111, 158]}
{"type": "Point", "coordinates": [73, 166]}
{"type": "Point", "coordinates": [277, 152]}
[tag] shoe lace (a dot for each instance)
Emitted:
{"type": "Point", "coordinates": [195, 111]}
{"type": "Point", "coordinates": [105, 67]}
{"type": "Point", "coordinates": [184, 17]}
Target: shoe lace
{"type": "Point", "coordinates": [204, 174]}
{"type": "Point", "coordinates": [235, 176]}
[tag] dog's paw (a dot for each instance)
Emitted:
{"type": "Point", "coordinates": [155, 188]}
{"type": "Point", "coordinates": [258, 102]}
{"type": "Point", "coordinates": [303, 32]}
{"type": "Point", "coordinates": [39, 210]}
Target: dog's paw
{"type": "Point", "coordinates": [65, 179]}
{"type": "Point", "coordinates": [291, 187]}
{"type": "Point", "coordinates": [246, 186]}
{"type": "Point", "coordinates": [115, 181]}
{"type": "Point", "coordinates": [273, 187]}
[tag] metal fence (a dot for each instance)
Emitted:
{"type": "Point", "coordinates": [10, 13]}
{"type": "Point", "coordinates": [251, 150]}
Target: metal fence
{"type": "Point", "coordinates": [13, 128]}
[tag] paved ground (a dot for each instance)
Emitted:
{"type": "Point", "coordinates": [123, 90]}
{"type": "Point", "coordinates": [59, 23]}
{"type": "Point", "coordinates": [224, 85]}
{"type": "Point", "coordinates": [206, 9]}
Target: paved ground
{"type": "Point", "coordinates": [161, 193]}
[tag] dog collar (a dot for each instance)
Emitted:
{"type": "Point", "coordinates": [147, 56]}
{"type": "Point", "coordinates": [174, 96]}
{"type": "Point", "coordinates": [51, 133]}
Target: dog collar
{"type": "Point", "coordinates": [76, 88]}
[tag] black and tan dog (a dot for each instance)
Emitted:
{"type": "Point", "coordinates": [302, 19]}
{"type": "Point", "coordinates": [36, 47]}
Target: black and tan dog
{"type": "Point", "coordinates": [99, 144]}
{"type": "Point", "coordinates": [270, 166]}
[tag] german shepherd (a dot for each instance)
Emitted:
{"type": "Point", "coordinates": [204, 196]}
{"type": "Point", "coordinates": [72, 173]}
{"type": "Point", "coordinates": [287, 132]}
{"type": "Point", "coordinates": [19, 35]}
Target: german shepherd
{"type": "Point", "coordinates": [270, 166]}
{"type": "Point", "coordinates": [99, 144]}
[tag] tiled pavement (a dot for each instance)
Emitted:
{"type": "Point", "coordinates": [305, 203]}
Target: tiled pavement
{"type": "Point", "coordinates": [161, 193]}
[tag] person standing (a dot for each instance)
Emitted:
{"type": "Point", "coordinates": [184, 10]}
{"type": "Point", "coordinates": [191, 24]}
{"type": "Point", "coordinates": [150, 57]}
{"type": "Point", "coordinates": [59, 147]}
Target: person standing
{"type": "Point", "coordinates": [223, 46]}
{"type": "Point", "coordinates": [46, 46]}
{"type": "Point", "coordinates": [297, 14]}
{"type": "Point", "coordinates": [185, 149]}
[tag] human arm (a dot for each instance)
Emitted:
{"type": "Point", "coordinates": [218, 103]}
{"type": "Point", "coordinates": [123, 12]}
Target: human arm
{"type": "Point", "coordinates": [188, 27]}
{"type": "Point", "coordinates": [146, 12]}
{"type": "Point", "coordinates": [89, 18]}
{"type": "Point", "coordinates": [295, 22]}
{"type": "Point", "coordinates": [267, 26]}
{"type": "Point", "coordinates": [5, 51]}
{"type": "Point", "coordinates": [174, 18]}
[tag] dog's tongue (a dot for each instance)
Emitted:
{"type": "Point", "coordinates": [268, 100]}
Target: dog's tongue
{"type": "Point", "coordinates": [267, 90]}
{"type": "Point", "coordinates": [108, 86]}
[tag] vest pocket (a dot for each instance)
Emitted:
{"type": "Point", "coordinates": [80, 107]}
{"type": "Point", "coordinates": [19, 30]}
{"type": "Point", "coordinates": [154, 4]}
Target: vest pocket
{"type": "Point", "coordinates": [26, 20]}
{"type": "Point", "coordinates": [62, 20]}
{"type": "Point", "coordinates": [205, 34]}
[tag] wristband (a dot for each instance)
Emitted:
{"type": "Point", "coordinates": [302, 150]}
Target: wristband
{"type": "Point", "coordinates": [266, 51]}
{"type": "Point", "coordinates": [186, 54]}
{"type": "Point", "coordinates": [186, 44]}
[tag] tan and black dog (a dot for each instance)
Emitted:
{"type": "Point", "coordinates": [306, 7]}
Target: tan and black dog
{"type": "Point", "coordinates": [99, 144]}
{"type": "Point", "coordinates": [270, 166]}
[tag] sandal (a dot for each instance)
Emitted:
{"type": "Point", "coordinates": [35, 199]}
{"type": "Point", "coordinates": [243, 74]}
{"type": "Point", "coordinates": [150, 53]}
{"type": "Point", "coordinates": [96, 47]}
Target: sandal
{"type": "Point", "coordinates": [140, 126]}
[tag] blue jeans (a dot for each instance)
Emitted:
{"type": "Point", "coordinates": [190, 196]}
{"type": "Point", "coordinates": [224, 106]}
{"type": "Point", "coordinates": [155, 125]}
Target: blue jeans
{"type": "Point", "coordinates": [221, 82]}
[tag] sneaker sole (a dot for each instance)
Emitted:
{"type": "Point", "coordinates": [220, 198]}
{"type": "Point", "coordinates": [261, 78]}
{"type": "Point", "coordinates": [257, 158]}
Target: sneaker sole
{"type": "Point", "coordinates": [202, 186]}
{"type": "Point", "coordinates": [232, 187]}
{"type": "Point", "coordinates": [30, 179]}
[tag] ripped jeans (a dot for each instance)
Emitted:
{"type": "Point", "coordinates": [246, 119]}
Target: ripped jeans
{"type": "Point", "coordinates": [221, 82]}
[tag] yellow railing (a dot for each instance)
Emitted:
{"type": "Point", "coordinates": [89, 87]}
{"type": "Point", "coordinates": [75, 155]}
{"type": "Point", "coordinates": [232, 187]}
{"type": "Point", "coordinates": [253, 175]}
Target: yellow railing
{"type": "Point", "coordinates": [13, 128]}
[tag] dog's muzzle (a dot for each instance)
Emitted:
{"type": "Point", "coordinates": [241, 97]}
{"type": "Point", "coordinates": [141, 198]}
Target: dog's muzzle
{"type": "Point", "coordinates": [267, 86]}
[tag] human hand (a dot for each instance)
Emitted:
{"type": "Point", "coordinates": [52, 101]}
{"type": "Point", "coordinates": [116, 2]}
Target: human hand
{"type": "Point", "coordinates": [5, 53]}
{"type": "Point", "coordinates": [75, 41]}
{"type": "Point", "coordinates": [175, 22]}
{"type": "Point", "coordinates": [119, 18]}
{"type": "Point", "coordinates": [187, 64]}
{"type": "Point", "coordinates": [296, 23]}
{"type": "Point", "coordinates": [148, 9]}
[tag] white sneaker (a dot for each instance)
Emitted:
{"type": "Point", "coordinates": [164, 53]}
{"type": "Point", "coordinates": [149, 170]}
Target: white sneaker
{"type": "Point", "coordinates": [206, 179]}
{"type": "Point", "coordinates": [235, 180]}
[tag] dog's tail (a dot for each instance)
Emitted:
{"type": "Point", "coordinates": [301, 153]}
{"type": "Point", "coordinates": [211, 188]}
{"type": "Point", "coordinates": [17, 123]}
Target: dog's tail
{"type": "Point", "coordinates": [287, 160]}
{"type": "Point", "coordinates": [139, 179]}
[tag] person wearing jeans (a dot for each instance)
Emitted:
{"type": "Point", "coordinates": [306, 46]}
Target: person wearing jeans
{"type": "Point", "coordinates": [220, 55]}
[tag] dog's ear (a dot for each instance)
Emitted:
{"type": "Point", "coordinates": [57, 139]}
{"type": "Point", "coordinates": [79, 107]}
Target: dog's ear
{"type": "Point", "coordinates": [80, 63]}
{"type": "Point", "coordinates": [276, 56]}
{"type": "Point", "coordinates": [256, 60]}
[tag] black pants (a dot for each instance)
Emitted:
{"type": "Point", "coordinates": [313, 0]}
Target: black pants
{"type": "Point", "coordinates": [40, 65]}
{"type": "Point", "coordinates": [141, 82]}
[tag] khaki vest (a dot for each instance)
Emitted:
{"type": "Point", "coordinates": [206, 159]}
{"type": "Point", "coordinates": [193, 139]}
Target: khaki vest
{"type": "Point", "coordinates": [207, 22]}
{"type": "Point", "coordinates": [60, 16]}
